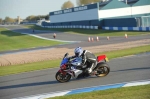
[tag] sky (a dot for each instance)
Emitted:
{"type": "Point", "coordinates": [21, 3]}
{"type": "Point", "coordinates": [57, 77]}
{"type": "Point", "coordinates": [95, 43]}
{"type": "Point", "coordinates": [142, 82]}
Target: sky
{"type": "Point", "coordinates": [24, 8]}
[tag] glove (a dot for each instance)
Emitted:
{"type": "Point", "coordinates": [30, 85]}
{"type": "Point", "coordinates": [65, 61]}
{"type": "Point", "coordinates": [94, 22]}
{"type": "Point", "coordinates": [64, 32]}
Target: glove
{"type": "Point", "coordinates": [69, 58]}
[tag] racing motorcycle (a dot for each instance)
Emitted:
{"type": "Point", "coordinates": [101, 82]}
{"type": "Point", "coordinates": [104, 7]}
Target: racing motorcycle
{"type": "Point", "coordinates": [73, 69]}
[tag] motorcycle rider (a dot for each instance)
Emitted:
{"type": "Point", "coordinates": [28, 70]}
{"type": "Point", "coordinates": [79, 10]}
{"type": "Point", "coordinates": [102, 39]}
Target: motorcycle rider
{"type": "Point", "coordinates": [86, 56]}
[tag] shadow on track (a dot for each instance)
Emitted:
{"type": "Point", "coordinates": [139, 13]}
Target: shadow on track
{"type": "Point", "coordinates": [29, 84]}
{"type": "Point", "coordinates": [40, 83]}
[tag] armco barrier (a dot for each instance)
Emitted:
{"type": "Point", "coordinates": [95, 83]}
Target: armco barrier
{"type": "Point", "coordinates": [73, 26]}
{"type": "Point", "coordinates": [128, 28]}
{"type": "Point", "coordinates": [87, 89]}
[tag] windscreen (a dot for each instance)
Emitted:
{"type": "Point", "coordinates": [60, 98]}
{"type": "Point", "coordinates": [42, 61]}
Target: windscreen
{"type": "Point", "coordinates": [64, 61]}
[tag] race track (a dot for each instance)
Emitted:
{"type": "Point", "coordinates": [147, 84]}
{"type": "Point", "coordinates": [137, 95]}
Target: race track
{"type": "Point", "coordinates": [123, 69]}
{"type": "Point", "coordinates": [74, 37]}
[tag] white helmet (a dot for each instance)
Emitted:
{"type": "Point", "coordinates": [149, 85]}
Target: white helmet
{"type": "Point", "coordinates": [78, 51]}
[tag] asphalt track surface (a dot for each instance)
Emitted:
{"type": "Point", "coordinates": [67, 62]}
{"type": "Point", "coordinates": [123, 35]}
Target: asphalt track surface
{"type": "Point", "coordinates": [123, 69]}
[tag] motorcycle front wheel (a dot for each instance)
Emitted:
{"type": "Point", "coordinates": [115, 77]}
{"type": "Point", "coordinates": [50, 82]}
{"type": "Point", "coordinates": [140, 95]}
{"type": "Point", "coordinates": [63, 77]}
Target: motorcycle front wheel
{"type": "Point", "coordinates": [62, 78]}
{"type": "Point", "coordinates": [102, 69]}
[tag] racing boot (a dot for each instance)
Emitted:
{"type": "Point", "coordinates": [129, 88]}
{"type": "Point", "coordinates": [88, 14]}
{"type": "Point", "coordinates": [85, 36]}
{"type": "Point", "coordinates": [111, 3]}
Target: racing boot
{"type": "Point", "coordinates": [90, 70]}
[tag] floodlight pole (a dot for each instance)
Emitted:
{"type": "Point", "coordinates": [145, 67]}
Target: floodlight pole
{"type": "Point", "coordinates": [126, 2]}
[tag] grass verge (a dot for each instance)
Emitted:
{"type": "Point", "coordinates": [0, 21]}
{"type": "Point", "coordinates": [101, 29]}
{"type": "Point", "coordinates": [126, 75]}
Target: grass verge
{"type": "Point", "coordinates": [7, 70]}
{"type": "Point", "coordinates": [126, 52]}
{"type": "Point", "coordinates": [92, 32]}
{"type": "Point", "coordinates": [12, 41]}
{"type": "Point", "coordinates": [136, 92]}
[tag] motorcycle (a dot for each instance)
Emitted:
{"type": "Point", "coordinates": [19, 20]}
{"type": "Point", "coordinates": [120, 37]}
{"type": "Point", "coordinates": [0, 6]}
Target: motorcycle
{"type": "Point", "coordinates": [73, 69]}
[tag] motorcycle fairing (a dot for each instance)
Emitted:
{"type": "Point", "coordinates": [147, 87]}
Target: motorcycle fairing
{"type": "Point", "coordinates": [63, 72]}
{"type": "Point", "coordinates": [101, 58]}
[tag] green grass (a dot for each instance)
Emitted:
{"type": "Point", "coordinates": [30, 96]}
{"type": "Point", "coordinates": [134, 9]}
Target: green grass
{"type": "Point", "coordinates": [12, 41]}
{"type": "Point", "coordinates": [126, 52]}
{"type": "Point", "coordinates": [14, 69]}
{"type": "Point", "coordinates": [136, 92]}
{"type": "Point", "coordinates": [92, 32]}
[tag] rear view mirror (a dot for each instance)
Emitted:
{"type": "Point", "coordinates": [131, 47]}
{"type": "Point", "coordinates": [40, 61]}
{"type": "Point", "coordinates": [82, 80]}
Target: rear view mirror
{"type": "Point", "coordinates": [65, 55]}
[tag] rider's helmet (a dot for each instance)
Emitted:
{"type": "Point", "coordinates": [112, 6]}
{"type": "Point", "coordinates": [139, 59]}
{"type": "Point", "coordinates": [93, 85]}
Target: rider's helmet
{"type": "Point", "coordinates": [78, 51]}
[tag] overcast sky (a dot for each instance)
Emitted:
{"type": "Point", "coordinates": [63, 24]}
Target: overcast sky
{"type": "Point", "coordinates": [24, 8]}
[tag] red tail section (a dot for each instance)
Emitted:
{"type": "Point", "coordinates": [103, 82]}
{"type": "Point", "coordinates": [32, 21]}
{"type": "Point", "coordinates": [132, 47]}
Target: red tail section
{"type": "Point", "coordinates": [101, 57]}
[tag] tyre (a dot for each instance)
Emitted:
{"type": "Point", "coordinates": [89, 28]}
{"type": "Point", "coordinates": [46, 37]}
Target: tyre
{"type": "Point", "coordinates": [62, 78]}
{"type": "Point", "coordinates": [102, 69]}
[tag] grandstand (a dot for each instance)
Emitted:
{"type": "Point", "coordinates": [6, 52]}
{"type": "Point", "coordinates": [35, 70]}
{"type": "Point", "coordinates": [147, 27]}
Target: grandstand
{"type": "Point", "coordinates": [125, 13]}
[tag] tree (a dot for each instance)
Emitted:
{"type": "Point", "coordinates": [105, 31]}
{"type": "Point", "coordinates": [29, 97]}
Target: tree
{"type": "Point", "coordinates": [84, 2]}
{"type": "Point", "coordinates": [15, 19]}
{"type": "Point", "coordinates": [1, 21]}
{"type": "Point", "coordinates": [33, 18]}
{"type": "Point", "coordinates": [67, 4]}
{"type": "Point", "coordinates": [47, 17]}
{"type": "Point", "coordinates": [9, 20]}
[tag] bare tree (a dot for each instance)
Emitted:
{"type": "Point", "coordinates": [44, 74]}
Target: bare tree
{"type": "Point", "coordinates": [84, 2]}
{"type": "Point", "coordinates": [67, 4]}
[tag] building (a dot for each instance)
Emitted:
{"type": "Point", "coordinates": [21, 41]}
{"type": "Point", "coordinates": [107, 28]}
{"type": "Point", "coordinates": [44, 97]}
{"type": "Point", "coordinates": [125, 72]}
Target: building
{"type": "Point", "coordinates": [110, 13]}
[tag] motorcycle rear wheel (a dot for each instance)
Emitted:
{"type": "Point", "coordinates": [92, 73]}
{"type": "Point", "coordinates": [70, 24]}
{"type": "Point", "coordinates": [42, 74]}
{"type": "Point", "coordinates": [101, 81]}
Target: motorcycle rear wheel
{"type": "Point", "coordinates": [62, 78]}
{"type": "Point", "coordinates": [102, 69]}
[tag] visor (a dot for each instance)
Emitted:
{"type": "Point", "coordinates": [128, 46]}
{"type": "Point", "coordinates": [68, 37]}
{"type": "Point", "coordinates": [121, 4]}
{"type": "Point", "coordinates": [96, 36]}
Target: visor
{"type": "Point", "coordinates": [76, 54]}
